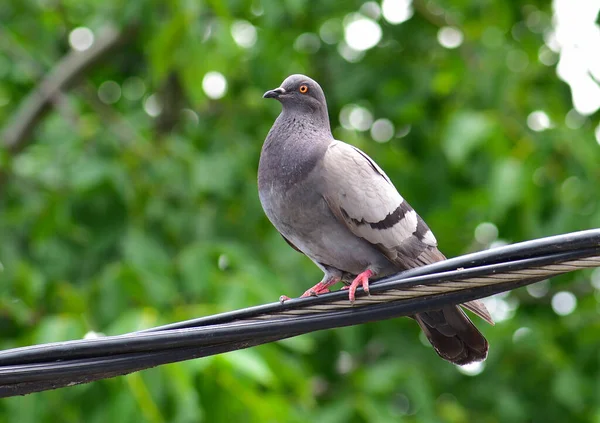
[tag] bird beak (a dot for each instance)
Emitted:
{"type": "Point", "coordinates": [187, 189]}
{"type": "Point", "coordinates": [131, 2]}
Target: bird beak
{"type": "Point", "coordinates": [274, 93]}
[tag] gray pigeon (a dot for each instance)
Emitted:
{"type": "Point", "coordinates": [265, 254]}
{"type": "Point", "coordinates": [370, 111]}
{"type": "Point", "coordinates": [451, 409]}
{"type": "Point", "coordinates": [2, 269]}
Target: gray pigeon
{"type": "Point", "coordinates": [333, 203]}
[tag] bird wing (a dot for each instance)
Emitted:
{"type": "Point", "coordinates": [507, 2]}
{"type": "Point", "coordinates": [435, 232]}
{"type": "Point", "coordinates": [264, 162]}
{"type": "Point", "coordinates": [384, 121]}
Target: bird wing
{"type": "Point", "coordinates": [361, 195]}
{"type": "Point", "coordinates": [290, 243]}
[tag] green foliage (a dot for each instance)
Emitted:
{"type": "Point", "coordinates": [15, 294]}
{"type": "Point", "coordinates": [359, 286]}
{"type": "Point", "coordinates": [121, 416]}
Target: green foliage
{"type": "Point", "coordinates": [112, 220]}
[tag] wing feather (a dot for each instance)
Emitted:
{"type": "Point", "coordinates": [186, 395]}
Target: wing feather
{"type": "Point", "coordinates": [361, 195]}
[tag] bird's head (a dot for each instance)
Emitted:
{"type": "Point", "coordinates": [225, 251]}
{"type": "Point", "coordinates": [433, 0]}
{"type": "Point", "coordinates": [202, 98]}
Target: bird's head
{"type": "Point", "coordinates": [301, 93]}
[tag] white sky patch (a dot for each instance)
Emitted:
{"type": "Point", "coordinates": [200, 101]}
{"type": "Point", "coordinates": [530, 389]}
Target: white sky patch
{"type": "Point", "coordinates": [214, 85]}
{"type": "Point", "coordinates": [223, 262]}
{"type": "Point", "coordinates": [397, 11]}
{"type": "Point", "coordinates": [521, 333]}
{"type": "Point", "coordinates": [564, 303]}
{"type": "Point", "coordinates": [353, 117]}
{"type": "Point", "coordinates": [486, 233]}
{"type": "Point", "coordinates": [348, 53]}
{"type": "Point", "coordinates": [597, 132]}
{"type": "Point", "coordinates": [152, 106]}
{"type": "Point", "coordinates": [81, 38]}
{"type": "Point", "coordinates": [450, 37]}
{"type": "Point", "coordinates": [546, 56]}
{"type": "Point", "coordinates": [500, 308]}
{"type": "Point", "coordinates": [243, 33]}
{"type": "Point", "coordinates": [539, 121]}
{"type": "Point", "coordinates": [551, 42]}
{"type": "Point", "coordinates": [345, 363]}
{"type": "Point", "coordinates": [360, 118]}
{"type": "Point", "coordinates": [538, 289]}
{"type": "Point", "coordinates": [361, 33]}
{"type": "Point", "coordinates": [382, 130]}
{"type": "Point", "coordinates": [577, 37]}
{"type": "Point", "coordinates": [345, 116]}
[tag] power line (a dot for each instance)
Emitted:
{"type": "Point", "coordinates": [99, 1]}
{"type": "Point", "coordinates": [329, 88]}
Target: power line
{"type": "Point", "coordinates": [453, 281]}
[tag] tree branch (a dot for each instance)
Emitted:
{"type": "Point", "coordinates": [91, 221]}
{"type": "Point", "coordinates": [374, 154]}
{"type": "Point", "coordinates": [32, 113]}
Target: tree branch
{"type": "Point", "coordinates": [15, 136]}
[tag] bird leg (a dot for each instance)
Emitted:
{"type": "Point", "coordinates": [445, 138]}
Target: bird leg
{"type": "Point", "coordinates": [320, 288]}
{"type": "Point", "coordinates": [361, 280]}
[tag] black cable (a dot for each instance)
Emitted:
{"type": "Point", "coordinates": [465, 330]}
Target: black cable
{"type": "Point", "coordinates": [203, 331]}
{"type": "Point", "coordinates": [575, 241]}
{"type": "Point", "coordinates": [454, 281]}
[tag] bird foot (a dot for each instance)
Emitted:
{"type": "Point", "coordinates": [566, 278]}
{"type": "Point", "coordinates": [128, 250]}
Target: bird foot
{"type": "Point", "coordinates": [320, 288]}
{"type": "Point", "coordinates": [361, 280]}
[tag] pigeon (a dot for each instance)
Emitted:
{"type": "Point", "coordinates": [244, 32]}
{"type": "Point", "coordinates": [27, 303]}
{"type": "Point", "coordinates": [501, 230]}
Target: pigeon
{"type": "Point", "coordinates": [333, 203]}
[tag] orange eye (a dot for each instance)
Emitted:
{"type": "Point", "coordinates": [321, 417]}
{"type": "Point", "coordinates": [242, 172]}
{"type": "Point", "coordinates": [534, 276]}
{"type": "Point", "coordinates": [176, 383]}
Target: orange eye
{"type": "Point", "coordinates": [303, 89]}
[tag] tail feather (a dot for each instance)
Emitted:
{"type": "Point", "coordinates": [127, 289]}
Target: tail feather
{"type": "Point", "coordinates": [453, 336]}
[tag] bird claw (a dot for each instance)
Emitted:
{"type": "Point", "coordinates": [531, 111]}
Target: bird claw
{"type": "Point", "coordinates": [361, 280]}
{"type": "Point", "coordinates": [320, 288]}
{"type": "Point", "coordinates": [314, 292]}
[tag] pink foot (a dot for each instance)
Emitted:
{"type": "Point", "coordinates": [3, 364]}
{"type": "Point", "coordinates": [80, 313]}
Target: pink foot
{"type": "Point", "coordinates": [320, 288]}
{"type": "Point", "coordinates": [361, 280]}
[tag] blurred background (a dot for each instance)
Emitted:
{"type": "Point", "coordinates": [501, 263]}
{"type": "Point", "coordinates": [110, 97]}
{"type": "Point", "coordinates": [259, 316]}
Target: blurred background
{"type": "Point", "coordinates": [130, 135]}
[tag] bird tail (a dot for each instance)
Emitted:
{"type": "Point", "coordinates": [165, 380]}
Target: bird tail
{"type": "Point", "coordinates": [453, 336]}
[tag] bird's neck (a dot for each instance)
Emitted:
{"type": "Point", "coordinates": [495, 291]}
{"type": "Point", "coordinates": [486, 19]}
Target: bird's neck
{"type": "Point", "coordinates": [292, 149]}
{"type": "Point", "coordinates": [304, 116]}
{"type": "Point", "coordinates": [297, 131]}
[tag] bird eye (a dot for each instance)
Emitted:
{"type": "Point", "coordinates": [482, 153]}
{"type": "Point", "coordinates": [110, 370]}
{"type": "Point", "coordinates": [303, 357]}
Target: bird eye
{"type": "Point", "coordinates": [303, 89]}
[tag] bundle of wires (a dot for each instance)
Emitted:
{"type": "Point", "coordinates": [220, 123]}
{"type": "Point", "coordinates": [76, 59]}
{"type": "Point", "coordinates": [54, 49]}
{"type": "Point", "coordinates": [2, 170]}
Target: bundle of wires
{"type": "Point", "coordinates": [453, 281]}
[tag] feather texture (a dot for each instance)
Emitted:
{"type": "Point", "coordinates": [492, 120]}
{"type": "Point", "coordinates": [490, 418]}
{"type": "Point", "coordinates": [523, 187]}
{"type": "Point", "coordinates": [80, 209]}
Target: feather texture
{"type": "Point", "coordinates": [362, 196]}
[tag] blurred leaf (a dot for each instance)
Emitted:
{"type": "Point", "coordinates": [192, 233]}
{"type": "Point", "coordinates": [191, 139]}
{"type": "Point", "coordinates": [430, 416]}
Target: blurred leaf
{"type": "Point", "coordinates": [250, 364]}
{"type": "Point", "coordinates": [466, 130]}
{"type": "Point", "coordinates": [506, 185]}
{"type": "Point", "coordinates": [567, 389]}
